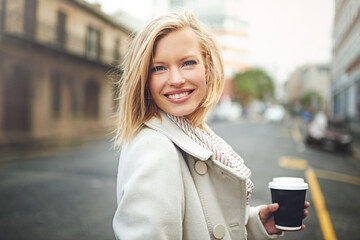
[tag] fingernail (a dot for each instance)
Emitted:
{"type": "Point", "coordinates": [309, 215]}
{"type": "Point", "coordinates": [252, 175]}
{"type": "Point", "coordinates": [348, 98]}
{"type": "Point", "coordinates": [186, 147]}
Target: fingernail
{"type": "Point", "coordinates": [274, 205]}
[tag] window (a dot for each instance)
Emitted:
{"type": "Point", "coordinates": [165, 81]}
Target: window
{"type": "Point", "coordinates": [30, 18]}
{"type": "Point", "coordinates": [117, 55]}
{"type": "Point", "coordinates": [93, 47]}
{"type": "Point", "coordinates": [56, 94]}
{"type": "Point", "coordinates": [2, 15]}
{"type": "Point", "coordinates": [75, 97]}
{"type": "Point", "coordinates": [92, 91]}
{"type": "Point", "coordinates": [61, 29]}
{"type": "Point", "coordinates": [17, 99]}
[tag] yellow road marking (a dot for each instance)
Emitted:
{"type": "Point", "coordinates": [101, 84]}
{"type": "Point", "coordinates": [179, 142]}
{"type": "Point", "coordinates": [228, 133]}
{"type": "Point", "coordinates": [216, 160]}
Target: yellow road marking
{"type": "Point", "coordinates": [293, 163]}
{"type": "Point", "coordinates": [320, 207]}
{"type": "Point", "coordinates": [340, 177]}
{"type": "Point", "coordinates": [296, 135]}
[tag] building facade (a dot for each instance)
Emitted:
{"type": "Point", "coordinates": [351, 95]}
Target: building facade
{"type": "Point", "coordinates": [54, 59]}
{"type": "Point", "coordinates": [306, 79]}
{"type": "Point", "coordinates": [346, 60]}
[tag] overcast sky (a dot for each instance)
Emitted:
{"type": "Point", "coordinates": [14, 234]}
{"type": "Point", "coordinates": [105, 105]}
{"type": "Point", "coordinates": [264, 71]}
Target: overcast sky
{"type": "Point", "coordinates": [288, 33]}
{"type": "Point", "coordinates": [283, 34]}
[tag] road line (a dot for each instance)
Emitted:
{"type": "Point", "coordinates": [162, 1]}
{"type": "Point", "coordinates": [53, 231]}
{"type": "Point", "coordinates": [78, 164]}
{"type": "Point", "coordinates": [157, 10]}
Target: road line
{"type": "Point", "coordinates": [293, 163]}
{"type": "Point", "coordinates": [320, 207]}
{"type": "Point", "coordinates": [296, 135]}
{"type": "Point", "coordinates": [339, 177]}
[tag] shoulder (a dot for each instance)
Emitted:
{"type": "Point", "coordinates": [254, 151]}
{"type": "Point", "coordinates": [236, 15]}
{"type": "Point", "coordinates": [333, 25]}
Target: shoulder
{"type": "Point", "coordinates": [149, 147]}
{"type": "Point", "coordinates": [149, 139]}
{"type": "Point", "coordinates": [149, 157]}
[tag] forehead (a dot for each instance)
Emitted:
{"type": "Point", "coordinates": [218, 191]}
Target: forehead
{"type": "Point", "coordinates": [184, 39]}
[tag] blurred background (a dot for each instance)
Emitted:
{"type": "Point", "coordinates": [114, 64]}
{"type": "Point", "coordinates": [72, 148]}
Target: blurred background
{"type": "Point", "coordinates": [291, 106]}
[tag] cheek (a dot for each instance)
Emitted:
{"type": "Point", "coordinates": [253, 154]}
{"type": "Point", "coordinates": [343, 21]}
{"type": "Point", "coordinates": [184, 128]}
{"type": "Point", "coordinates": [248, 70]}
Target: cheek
{"type": "Point", "coordinates": [201, 78]}
{"type": "Point", "coordinates": [156, 88]}
{"type": "Point", "coordinates": [153, 86]}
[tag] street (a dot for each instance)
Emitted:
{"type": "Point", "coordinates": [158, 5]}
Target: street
{"type": "Point", "coordinates": [70, 194]}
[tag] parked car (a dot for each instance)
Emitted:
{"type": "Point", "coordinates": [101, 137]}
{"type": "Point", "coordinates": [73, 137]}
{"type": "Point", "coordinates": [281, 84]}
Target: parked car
{"type": "Point", "coordinates": [330, 133]}
{"type": "Point", "coordinates": [275, 113]}
{"type": "Point", "coordinates": [226, 110]}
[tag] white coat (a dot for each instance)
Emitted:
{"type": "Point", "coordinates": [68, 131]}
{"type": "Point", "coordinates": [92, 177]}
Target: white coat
{"type": "Point", "coordinates": [169, 187]}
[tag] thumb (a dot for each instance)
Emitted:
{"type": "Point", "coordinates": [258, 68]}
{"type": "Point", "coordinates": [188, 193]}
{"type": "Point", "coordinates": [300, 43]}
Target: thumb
{"type": "Point", "coordinates": [269, 209]}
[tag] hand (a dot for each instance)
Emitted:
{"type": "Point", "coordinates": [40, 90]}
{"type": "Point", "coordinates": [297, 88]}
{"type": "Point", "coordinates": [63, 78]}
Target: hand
{"type": "Point", "coordinates": [267, 217]}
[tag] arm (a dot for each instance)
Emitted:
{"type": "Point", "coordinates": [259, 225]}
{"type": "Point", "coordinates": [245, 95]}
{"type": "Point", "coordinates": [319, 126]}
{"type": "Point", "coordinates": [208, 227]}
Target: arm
{"type": "Point", "coordinates": [150, 190]}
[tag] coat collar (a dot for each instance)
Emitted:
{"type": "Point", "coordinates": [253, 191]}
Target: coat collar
{"type": "Point", "coordinates": [178, 137]}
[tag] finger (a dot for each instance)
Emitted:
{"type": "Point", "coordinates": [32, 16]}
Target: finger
{"type": "Point", "coordinates": [268, 210]}
{"type": "Point", "coordinates": [306, 212]}
{"type": "Point", "coordinates": [272, 207]}
{"type": "Point", "coordinates": [306, 204]}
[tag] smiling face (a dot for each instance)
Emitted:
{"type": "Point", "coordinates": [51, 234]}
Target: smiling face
{"type": "Point", "coordinates": [177, 78]}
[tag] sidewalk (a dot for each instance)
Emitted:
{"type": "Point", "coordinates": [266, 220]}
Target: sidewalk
{"type": "Point", "coordinates": [355, 145]}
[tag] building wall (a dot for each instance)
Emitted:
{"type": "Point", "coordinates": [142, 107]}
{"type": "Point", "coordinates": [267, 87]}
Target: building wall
{"type": "Point", "coordinates": [225, 18]}
{"type": "Point", "coordinates": [293, 88]}
{"type": "Point", "coordinates": [51, 90]}
{"type": "Point", "coordinates": [346, 60]}
{"type": "Point", "coordinates": [308, 78]}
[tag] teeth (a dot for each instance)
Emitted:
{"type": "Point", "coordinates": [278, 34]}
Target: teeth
{"type": "Point", "coordinates": [181, 95]}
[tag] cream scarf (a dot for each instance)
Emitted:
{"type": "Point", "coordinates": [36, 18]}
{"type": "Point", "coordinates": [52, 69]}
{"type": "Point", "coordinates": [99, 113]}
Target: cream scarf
{"type": "Point", "coordinates": [222, 151]}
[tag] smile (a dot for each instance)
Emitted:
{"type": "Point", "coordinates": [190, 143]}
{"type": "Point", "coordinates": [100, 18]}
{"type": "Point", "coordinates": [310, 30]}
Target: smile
{"type": "Point", "coordinates": [177, 96]}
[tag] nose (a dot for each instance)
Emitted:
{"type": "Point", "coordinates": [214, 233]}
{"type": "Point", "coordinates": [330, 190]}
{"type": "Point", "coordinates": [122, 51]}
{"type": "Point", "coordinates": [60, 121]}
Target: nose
{"type": "Point", "coordinates": [175, 78]}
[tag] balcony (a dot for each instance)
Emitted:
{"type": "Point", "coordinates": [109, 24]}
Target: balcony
{"type": "Point", "coordinates": [74, 38]}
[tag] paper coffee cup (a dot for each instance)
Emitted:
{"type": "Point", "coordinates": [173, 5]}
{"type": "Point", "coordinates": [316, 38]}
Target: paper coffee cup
{"type": "Point", "coordinates": [289, 193]}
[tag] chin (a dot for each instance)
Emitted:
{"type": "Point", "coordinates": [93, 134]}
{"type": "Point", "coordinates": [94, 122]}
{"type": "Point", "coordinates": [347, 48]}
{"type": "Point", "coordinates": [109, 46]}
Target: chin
{"type": "Point", "coordinates": [181, 113]}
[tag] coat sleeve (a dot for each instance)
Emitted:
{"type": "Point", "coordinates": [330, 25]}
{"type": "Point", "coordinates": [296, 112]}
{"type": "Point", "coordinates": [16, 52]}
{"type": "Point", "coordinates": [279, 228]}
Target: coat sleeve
{"type": "Point", "coordinates": [255, 228]}
{"type": "Point", "coordinates": [150, 191]}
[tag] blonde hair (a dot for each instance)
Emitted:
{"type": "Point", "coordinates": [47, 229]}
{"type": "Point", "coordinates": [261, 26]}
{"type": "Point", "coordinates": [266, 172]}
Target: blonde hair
{"type": "Point", "coordinates": [135, 103]}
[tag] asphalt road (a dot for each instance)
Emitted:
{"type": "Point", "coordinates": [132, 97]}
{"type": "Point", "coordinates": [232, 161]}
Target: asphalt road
{"type": "Point", "coordinates": [70, 194]}
{"type": "Point", "coordinates": [274, 150]}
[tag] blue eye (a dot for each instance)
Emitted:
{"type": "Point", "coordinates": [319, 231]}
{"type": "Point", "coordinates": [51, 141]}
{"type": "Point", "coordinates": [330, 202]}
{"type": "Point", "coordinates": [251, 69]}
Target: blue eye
{"type": "Point", "coordinates": [189, 63]}
{"type": "Point", "coordinates": [157, 68]}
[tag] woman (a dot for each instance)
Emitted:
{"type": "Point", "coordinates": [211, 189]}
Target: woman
{"type": "Point", "coordinates": [177, 179]}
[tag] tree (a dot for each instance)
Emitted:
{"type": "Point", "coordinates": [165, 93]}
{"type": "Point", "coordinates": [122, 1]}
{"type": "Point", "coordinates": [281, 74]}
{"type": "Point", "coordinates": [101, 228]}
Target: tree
{"type": "Point", "coordinates": [253, 84]}
{"type": "Point", "coordinates": [312, 100]}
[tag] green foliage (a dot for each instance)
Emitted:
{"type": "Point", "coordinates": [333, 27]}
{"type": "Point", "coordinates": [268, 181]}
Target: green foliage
{"type": "Point", "coordinates": [312, 100]}
{"type": "Point", "coordinates": [253, 84]}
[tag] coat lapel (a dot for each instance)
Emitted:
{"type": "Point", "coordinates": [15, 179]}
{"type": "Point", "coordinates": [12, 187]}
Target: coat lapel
{"type": "Point", "coordinates": [178, 137]}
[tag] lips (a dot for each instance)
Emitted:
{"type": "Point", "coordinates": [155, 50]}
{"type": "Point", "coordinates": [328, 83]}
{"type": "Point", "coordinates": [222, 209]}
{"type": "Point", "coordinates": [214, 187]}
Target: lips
{"type": "Point", "coordinates": [178, 95]}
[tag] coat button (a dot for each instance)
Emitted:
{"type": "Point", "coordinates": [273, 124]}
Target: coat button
{"type": "Point", "coordinates": [219, 231]}
{"type": "Point", "coordinates": [200, 167]}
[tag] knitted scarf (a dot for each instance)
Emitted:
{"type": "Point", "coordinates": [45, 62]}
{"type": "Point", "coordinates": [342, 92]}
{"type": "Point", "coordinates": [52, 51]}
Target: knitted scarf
{"type": "Point", "coordinates": [222, 151]}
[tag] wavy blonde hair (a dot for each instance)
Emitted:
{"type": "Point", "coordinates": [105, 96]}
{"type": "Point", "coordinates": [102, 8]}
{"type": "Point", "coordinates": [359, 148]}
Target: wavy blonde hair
{"type": "Point", "coordinates": [135, 103]}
